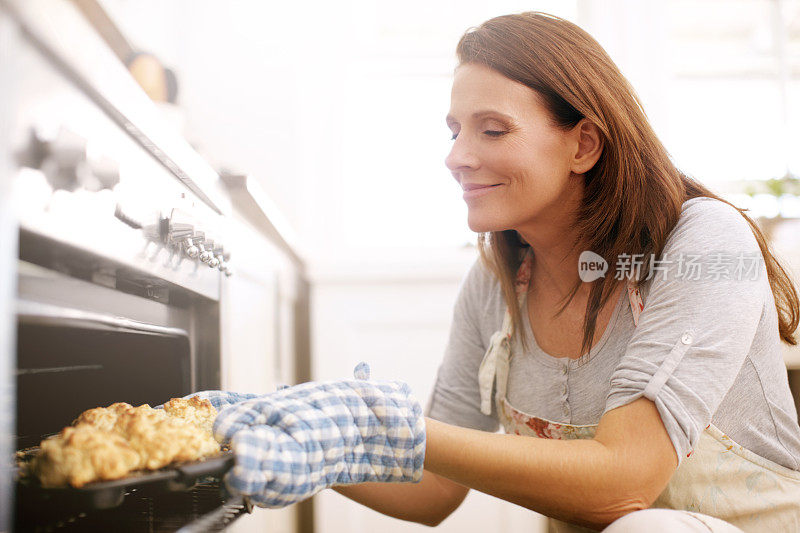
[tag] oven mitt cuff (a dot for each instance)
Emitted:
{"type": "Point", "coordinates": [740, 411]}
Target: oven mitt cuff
{"type": "Point", "coordinates": [218, 398]}
{"type": "Point", "coordinates": [291, 444]}
{"type": "Point", "coordinates": [221, 399]}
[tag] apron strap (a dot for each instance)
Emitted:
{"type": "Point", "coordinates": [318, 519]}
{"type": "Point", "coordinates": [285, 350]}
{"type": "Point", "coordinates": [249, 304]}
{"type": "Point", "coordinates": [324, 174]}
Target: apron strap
{"type": "Point", "coordinates": [498, 351]}
{"type": "Point", "coordinates": [486, 373]}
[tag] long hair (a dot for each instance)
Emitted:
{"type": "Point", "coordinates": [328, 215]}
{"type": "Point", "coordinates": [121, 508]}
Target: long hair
{"type": "Point", "coordinates": [634, 194]}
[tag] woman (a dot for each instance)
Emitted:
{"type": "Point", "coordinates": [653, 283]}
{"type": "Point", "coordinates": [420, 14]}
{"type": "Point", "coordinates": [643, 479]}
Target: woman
{"type": "Point", "coordinates": [659, 386]}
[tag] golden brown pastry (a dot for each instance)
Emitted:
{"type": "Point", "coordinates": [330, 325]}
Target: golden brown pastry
{"type": "Point", "coordinates": [108, 442]}
{"type": "Point", "coordinates": [81, 454]}
{"type": "Point", "coordinates": [104, 418]}
{"type": "Point", "coordinates": [160, 439]}
{"type": "Point", "coordinates": [199, 412]}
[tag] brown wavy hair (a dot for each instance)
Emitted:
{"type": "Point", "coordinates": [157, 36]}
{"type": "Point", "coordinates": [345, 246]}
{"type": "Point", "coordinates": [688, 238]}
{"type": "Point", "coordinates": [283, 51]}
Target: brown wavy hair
{"type": "Point", "coordinates": [634, 194]}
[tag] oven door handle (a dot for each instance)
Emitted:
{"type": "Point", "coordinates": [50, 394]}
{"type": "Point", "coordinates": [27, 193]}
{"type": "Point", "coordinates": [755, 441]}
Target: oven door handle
{"type": "Point", "coordinates": [53, 315]}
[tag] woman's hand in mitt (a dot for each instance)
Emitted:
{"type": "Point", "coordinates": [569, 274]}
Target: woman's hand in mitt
{"type": "Point", "coordinates": [293, 443]}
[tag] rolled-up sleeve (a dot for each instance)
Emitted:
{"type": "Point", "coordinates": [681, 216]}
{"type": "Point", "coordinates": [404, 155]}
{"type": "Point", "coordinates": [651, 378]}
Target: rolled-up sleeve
{"type": "Point", "coordinates": [455, 398]}
{"type": "Point", "coordinates": [701, 312]}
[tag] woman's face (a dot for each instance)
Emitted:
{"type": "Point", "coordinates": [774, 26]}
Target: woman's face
{"type": "Point", "coordinates": [505, 143]}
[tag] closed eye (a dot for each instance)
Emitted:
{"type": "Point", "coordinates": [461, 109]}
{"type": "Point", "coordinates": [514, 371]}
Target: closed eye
{"type": "Point", "coordinates": [490, 133]}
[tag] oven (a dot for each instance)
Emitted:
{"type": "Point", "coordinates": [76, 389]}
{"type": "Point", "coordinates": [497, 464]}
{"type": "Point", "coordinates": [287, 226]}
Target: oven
{"type": "Point", "coordinates": [120, 274]}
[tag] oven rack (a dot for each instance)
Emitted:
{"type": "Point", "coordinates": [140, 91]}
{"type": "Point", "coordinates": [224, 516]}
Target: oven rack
{"type": "Point", "coordinates": [108, 494]}
{"type": "Point", "coordinates": [205, 507]}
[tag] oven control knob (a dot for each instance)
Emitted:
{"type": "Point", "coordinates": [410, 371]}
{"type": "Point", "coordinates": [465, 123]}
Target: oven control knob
{"type": "Point", "coordinates": [224, 258]}
{"type": "Point", "coordinates": [205, 255]}
{"type": "Point", "coordinates": [190, 249]}
{"type": "Point", "coordinates": [219, 254]}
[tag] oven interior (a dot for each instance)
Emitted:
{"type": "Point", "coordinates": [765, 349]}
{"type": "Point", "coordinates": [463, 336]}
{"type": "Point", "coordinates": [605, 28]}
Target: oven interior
{"type": "Point", "coordinates": [63, 370]}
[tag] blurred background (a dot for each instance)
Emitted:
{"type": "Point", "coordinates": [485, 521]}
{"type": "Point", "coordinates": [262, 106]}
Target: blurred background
{"type": "Point", "coordinates": [312, 137]}
{"type": "Point", "coordinates": [362, 86]}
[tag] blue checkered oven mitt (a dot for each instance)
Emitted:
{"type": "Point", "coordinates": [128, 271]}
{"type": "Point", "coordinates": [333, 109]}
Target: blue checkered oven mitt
{"type": "Point", "coordinates": [292, 443]}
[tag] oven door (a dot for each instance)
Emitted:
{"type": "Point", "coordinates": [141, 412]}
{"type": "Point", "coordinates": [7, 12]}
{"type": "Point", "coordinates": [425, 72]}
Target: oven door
{"type": "Point", "coordinates": [81, 345]}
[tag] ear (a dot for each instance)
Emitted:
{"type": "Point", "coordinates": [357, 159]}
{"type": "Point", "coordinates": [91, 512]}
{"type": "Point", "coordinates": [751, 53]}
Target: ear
{"type": "Point", "coordinates": [589, 146]}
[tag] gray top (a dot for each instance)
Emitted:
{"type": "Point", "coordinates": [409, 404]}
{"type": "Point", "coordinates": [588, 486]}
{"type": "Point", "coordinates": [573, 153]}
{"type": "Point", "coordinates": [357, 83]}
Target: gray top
{"type": "Point", "coordinates": [706, 350]}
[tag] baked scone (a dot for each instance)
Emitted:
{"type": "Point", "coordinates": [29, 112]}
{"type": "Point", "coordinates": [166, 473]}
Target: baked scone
{"type": "Point", "coordinates": [199, 412]}
{"type": "Point", "coordinates": [81, 454]}
{"type": "Point", "coordinates": [143, 413]}
{"type": "Point", "coordinates": [104, 418]}
{"type": "Point", "coordinates": [108, 442]}
{"type": "Point", "coordinates": [160, 441]}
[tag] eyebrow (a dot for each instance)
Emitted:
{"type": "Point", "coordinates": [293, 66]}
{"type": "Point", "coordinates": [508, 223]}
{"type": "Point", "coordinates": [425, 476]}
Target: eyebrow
{"type": "Point", "coordinates": [478, 114]}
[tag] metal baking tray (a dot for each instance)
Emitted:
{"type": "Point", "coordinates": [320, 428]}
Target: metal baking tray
{"type": "Point", "coordinates": [108, 494]}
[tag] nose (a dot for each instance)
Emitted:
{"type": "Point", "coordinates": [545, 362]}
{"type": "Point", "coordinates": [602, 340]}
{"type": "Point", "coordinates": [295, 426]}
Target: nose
{"type": "Point", "coordinates": [462, 155]}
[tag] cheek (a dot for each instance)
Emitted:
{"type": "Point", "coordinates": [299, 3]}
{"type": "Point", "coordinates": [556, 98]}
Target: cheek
{"type": "Point", "coordinates": [538, 163]}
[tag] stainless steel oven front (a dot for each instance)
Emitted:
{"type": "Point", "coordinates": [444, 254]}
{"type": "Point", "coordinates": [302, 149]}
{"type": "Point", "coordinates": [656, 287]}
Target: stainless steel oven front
{"type": "Point", "coordinates": [119, 262]}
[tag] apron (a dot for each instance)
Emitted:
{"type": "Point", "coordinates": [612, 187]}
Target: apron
{"type": "Point", "coordinates": [718, 478]}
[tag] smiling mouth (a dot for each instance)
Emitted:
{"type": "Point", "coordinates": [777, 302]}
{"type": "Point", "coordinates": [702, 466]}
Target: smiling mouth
{"type": "Point", "coordinates": [480, 191]}
{"type": "Point", "coordinates": [477, 187]}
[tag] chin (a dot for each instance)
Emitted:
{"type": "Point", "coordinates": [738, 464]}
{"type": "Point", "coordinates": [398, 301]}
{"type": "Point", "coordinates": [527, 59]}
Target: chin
{"type": "Point", "coordinates": [484, 224]}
